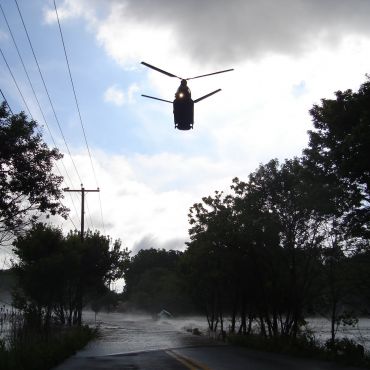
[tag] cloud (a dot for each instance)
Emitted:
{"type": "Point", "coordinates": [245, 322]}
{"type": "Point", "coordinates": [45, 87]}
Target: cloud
{"type": "Point", "coordinates": [114, 95]}
{"type": "Point", "coordinates": [118, 97]}
{"type": "Point", "coordinates": [144, 210]}
{"type": "Point", "coordinates": [245, 29]}
{"type": "Point", "coordinates": [214, 32]}
{"type": "Point", "coordinates": [72, 9]}
{"type": "Point", "coordinates": [150, 241]}
{"type": "Point", "coordinates": [132, 90]}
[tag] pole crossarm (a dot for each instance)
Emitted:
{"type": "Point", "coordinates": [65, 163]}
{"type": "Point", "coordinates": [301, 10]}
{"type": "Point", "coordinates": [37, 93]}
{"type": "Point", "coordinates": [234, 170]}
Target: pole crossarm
{"type": "Point", "coordinates": [82, 191]}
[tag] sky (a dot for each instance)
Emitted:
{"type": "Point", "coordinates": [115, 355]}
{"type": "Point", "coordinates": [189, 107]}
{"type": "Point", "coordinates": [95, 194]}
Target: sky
{"type": "Point", "coordinates": [287, 56]}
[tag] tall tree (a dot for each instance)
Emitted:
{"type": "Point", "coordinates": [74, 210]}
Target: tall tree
{"type": "Point", "coordinates": [28, 186]}
{"type": "Point", "coordinates": [57, 274]}
{"type": "Point", "coordinates": [339, 148]}
{"type": "Point", "coordinates": [286, 206]}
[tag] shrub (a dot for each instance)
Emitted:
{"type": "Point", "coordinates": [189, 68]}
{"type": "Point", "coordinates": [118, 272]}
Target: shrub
{"type": "Point", "coordinates": [346, 349]}
{"type": "Point", "coordinates": [31, 350]}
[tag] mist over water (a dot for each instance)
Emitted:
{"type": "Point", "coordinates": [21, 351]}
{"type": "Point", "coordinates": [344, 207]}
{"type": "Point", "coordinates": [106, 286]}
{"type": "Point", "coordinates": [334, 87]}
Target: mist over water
{"type": "Point", "coordinates": [126, 333]}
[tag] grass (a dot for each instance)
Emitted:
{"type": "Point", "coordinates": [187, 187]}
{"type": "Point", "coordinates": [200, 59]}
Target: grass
{"type": "Point", "coordinates": [32, 350]}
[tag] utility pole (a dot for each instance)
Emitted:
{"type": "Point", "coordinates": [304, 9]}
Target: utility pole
{"type": "Point", "coordinates": [82, 191]}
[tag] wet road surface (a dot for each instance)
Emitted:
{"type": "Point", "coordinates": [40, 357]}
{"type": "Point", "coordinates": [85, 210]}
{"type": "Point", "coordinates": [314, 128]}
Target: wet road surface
{"type": "Point", "coordinates": [143, 344]}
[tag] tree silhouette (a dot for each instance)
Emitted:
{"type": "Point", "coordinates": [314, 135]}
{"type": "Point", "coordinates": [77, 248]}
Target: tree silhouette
{"type": "Point", "coordinates": [28, 186]}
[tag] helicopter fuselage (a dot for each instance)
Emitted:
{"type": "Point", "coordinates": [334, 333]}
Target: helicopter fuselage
{"type": "Point", "coordinates": [183, 113]}
{"type": "Point", "coordinates": [183, 107]}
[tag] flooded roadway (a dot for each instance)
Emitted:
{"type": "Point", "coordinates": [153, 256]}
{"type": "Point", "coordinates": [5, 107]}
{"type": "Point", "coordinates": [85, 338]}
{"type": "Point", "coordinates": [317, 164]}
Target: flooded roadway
{"type": "Point", "coordinates": [140, 343]}
{"type": "Point", "coordinates": [123, 333]}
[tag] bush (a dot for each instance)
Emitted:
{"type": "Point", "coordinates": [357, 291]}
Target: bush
{"type": "Point", "coordinates": [342, 350]}
{"type": "Point", "coordinates": [32, 350]}
{"type": "Point", "coordinates": [346, 349]}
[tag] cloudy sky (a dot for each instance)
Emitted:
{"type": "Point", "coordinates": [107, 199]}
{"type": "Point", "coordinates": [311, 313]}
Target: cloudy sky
{"type": "Point", "coordinates": [287, 55]}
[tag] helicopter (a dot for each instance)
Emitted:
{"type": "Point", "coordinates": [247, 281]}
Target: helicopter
{"type": "Point", "coordinates": [183, 105]}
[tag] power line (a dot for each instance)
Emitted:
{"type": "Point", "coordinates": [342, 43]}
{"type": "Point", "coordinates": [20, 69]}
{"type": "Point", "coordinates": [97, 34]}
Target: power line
{"type": "Point", "coordinates": [16, 84]}
{"type": "Point", "coordinates": [37, 129]}
{"type": "Point", "coordinates": [47, 91]}
{"type": "Point", "coordinates": [38, 103]}
{"type": "Point", "coordinates": [72, 222]}
{"type": "Point", "coordinates": [6, 102]}
{"type": "Point", "coordinates": [78, 109]}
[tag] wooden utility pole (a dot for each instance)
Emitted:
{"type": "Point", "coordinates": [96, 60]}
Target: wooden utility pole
{"type": "Point", "coordinates": [82, 191]}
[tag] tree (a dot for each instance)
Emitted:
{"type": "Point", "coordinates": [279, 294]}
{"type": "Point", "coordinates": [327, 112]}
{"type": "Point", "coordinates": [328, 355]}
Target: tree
{"type": "Point", "coordinates": [339, 148]}
{"type": "Point", "coordinates": [257, 252]}
{"type": "Point", "coordinates": [285, 199]}
{"type": "Point", "coordinates": [213, 258]}
{"type": "Point", "coordinates": [57, 274]}
{"type": "Point", "coordinates": [153, 282]}
{"type": "Point", "coordinates": [28, 187]}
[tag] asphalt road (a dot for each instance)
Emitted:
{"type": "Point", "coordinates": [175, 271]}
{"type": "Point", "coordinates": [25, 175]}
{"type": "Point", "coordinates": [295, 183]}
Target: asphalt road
{"type": "Point", "coordinates": [197, 358]}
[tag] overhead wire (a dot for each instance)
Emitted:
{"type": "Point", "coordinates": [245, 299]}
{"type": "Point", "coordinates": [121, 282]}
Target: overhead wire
{"type": "Point", "coordinates": [16, 84]}
{"type": "Point", "coordinates": [29, 112]}
{"type": "Point", "coordinates": [6, 101]}
{"type": "Point", "coordinates": [39, 106]}
{"type": "Point", "coordinates": [47, 92]}
{"type": "Point", "coordinates": [79, 112]}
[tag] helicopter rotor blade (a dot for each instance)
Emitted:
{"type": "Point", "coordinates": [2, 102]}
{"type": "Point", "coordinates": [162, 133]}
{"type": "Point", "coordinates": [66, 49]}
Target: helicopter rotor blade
{"type": "Point", "coordinates": [160, 70]}
{"type": "Point", "coordinates": [210, 74]}
{"type": "Point", "coordinates": [206, 96]}
{"type": "Point", "coordinates": [152, 97]}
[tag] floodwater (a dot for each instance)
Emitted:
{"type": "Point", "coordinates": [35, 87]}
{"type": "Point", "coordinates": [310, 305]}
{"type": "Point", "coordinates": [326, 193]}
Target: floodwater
{"type": "Point", "coordinates": [125, 333]}
{"type": "Point", "coordinates": [360, 333]}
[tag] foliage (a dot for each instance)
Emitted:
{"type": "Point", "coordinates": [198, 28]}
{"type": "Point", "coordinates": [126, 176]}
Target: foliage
{"type": "Point", "coordinates": [343, 350]}
{"type": "Point", "coordinates": [39, 350]}
{"type": "Point", "coordinates": [153, 282]}
{"type": "Point", "coordinates": [28, 186]}
{"type": "Point", "coordinates": [58, 273]}
{"type": "Point", "coordinates": [339, 148]}
{"type": "Point", "coordinates": [292, 239]}
{"type": "Point", "coordinates": [255, 254]}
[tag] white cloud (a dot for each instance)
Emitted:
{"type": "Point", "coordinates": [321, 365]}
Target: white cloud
{"type": "Point", "coordinates": [119, 97]}
{"type": "Point", "coordinates": [72, 9]}
{"type": "Point", "coordinates": [132, 90]}
{"type": "Point", "coordinates": [213, 32]}
{"type": "Point", "coordinates": [114, 95]}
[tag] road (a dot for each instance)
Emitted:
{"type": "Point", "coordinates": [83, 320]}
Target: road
{"type": "Point", "coordinates": [146, 345]}
{"type": "Point", "coordinates": [197, 358]}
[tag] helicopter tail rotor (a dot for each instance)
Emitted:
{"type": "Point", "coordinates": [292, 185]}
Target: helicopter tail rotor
{"type": "Point", "coordinates": [206, 96]}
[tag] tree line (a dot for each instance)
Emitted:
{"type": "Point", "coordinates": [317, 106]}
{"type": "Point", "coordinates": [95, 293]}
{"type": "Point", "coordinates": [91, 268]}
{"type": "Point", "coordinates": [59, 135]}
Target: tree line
{"type": "Point", "coordinates": [290, 241]}
{"type": "Point", "coordinates": [294, 238]}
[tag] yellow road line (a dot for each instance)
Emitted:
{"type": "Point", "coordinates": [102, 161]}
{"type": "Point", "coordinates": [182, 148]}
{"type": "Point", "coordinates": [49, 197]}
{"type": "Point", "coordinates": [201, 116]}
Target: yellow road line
{"type": "Point", "coordinates": [188, 362]}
